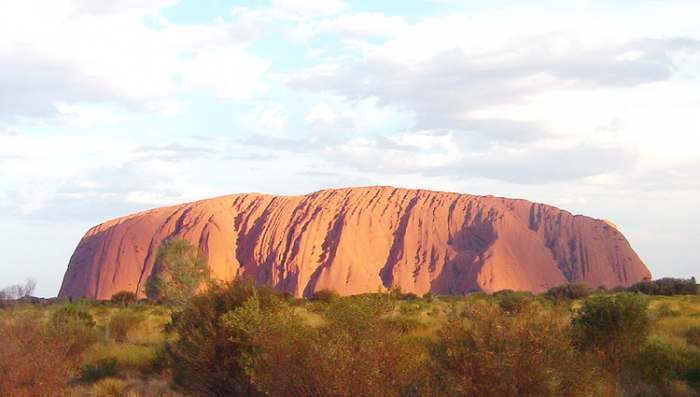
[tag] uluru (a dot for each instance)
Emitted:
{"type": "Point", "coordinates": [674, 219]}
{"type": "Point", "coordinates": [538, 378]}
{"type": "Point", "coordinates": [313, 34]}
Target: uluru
{"type": "Point", "coordinates": [359, 240]}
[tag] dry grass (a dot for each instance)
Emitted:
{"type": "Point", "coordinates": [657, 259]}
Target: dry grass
{"type": "Point", "coordinates": [32, 351]}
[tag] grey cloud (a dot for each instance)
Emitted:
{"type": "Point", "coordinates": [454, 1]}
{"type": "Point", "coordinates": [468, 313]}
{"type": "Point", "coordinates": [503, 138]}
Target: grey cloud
{"type": "Point", "coordinates": [8, 133]}
{"type": "Point", "coordinates": [176, 152]}
{"type": "Point", "coordinates": [250, 156]}
{"type": "Point", "coordinates": [207, 147]}
{"type": "Point", "coordinates": [317, 173]}
{"type": "Point", "coordinates": [542, 166]}
{"type": "Point", "coordinates": [110, 7]}
{"type": "Point", "coordinates": [277, 143]}
{"type": "Point", "coordinates": [117, 180]}
{"type": "Point", "coordinates": [101, 194]}
{"type": "Point", "coordinates": [492, 129]}
{"type": "Point", "coordinates": [441, 90]}
{"type": "Point", "coordinates": [515, 162]}
{"type": "Point", "coordinates": [527, 166]}
{"type": "Point", "coordinates": [685, 177]}
{"type": "Point", "coordinates": [32, 86]}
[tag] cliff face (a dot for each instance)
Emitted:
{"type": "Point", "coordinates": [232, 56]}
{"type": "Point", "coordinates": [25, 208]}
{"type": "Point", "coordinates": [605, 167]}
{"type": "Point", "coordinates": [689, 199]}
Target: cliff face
{"type": "Point", "coordinates": [362, 240]}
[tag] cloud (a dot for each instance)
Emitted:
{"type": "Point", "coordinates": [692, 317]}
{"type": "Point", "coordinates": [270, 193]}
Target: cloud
{"type": "Point", "coordinates": [307, 8]}
{"type": "Point", "coordinates": [80, 115]}
{"type": "Point", "coordinates": [123, 6]}
{"type": "Point", "coordinates": [166, 107]}
{"type": "Point", "coordinates": [269, 116]}
{"type": "Point", "coordinates": [363, 25]}
{"type": "Point", "coordinates": [337, 118]}
{"type": "Point", "coordinates": [444, 84]}
{"type": "Point", "coordinates": [101, 192]}
{"type": "Point", "coordinates": [79, 52]}
{"type": "Point", "coordinates": [228, 71]}
{"type": "Point", "coordinates": [175, 152]}
{"type": "Point", "coordinates": [440, 154]}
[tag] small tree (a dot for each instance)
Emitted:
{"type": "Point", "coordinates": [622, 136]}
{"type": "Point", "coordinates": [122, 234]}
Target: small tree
{"type": "Point", "coordinates": [34, 360]}
{"type": "Point", "coordinates": [512, 301]}
{"type": "Point", "coordinates": [613, 327]}
{"type": "Point", "coordinates": [325, 295]}
{"type": "Point", "coordinates": [566, 292]}
{"type": "Point", "coordinates": [75, 327]}
{"type": "Point", "coordinates": [122, 322]}
{"type": "Point", "coordinates": [179, 271]}
{"type": "Point", "coordinates": [18, 291]}
{"type": "Point", "coordinates": [123, 298]}
{"type": "Point", "coordinates": [207, 358]}
{"type": "Point", "coordinates": [486, 350]}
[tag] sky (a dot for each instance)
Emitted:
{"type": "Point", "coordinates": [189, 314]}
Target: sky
{"type": "Point", "coordinates": [108, 108]}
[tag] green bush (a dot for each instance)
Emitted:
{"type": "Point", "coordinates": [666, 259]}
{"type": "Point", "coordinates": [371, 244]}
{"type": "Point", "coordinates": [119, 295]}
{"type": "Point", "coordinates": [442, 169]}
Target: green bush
{"type": "Point", "coordinates": [124, 298]}
{"type": "Point", "coordinates": [179, 271]}
{"type": "Point", "coordinates": [239, 340]}
{"type": "Point", "coordinates": [75, 326]}
{"type": "Point", "coordinates": [208, 358]}
{"type": "Point", "coordinates": [667, 286]}
{"type": "Point", "coordinates": [662, 369]}
{"type": "Point", "coordinates": [692, 375]}
{"type": "Point", "coordinates": [33, 361]}
{"type": "Point", "coordinates": [613, 327]}
{"type": "Point", "coordinates": [665, 310]}
{"type": "Point", "coordinates": [122, 322]}
{"type": "Point", "coordinates": [487, 351]}
{"type": "Point", "coordinates": [658, 362]}
{"type": "Point", "coordinates": [325, 295]}
{"type": "Point", "coordinates": [567, 292]}
{"type": "Point", "coordinates": [100, 369]}
{"type": "Point", "coordinates": [513, 301]}
{"type": "Point", "coordinates": [693, 336]}
{"type": "Point", "coordinates": [359, 351]}
{"type": "Point", "coordinates": [72, 314]}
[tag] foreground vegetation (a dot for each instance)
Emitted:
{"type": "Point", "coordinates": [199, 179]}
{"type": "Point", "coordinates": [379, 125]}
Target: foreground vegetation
{"type": "Point", "coordinates": [237, 340]}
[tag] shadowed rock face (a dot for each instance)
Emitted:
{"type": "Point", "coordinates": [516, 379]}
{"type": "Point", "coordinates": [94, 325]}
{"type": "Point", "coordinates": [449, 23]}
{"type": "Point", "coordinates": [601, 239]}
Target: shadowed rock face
{"type": "Point", "coordinates": [360, 240]}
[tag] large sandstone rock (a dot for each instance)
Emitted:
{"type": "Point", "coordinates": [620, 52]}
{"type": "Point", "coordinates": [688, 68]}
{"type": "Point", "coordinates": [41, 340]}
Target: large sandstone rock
{"type": "Point", "coordinates": [363, 240]}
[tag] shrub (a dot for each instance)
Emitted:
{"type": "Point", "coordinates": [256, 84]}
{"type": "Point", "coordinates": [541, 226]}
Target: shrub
{"type": "Point", "coordinates": [487, 351]}
{"type": "Point", "coordinates": [100, 369]}
{"type": "Point", "coordinates": [667, 286]}
{"type": "Point", "coordinates": [359, 351]}
{"type": "Point", "coordinates": [110, 387]}
{"type": "Point", "coordinates": [208, 358]}
{"type": "Point", "coordinates": [238, 340]}
{"type": "Point", "coordinates": [122, 322]}
{"type": "Point", "coordinates": [665, 310]}
{"type": "Point", "coordinates": [613, 327]}
{"type": "Point", "coordinates": [657, 364]}
{"type": "Point", "coordinates": [72, 314]}
{"type": "Point", "coordinates": [33, 361]}
{"type": "Point", "coordinates": [18, 291]}
{"type": "Point", "coordinates": [512, 301]}
{"type": "Point", "coordinates": [693, 336]}
{"type": "Point", "coordinates": [270, 344]}
{"type": "Point", "coordinates": [692, 375]}
{"type": "Point", "coordinates": [179, 271]}
{"type": "Point", "coordinates": [396, 293]}
{"type": "Point", "coordinates": [325, 295]}
{"type": "Point", "coordinates": [124, 298]}
{"type": "Point", "coordinates": [566, 292]}
{"type": "Point", "coordinates": [75, 326]}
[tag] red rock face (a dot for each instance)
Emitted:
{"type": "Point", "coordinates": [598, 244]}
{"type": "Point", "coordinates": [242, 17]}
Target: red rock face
{"type": "Point", "coordinates": [362, 240]}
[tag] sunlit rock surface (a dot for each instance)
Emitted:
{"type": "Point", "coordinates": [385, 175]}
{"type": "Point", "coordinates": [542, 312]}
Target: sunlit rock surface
{"type": "Point", "coordinates": [359, 240]}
